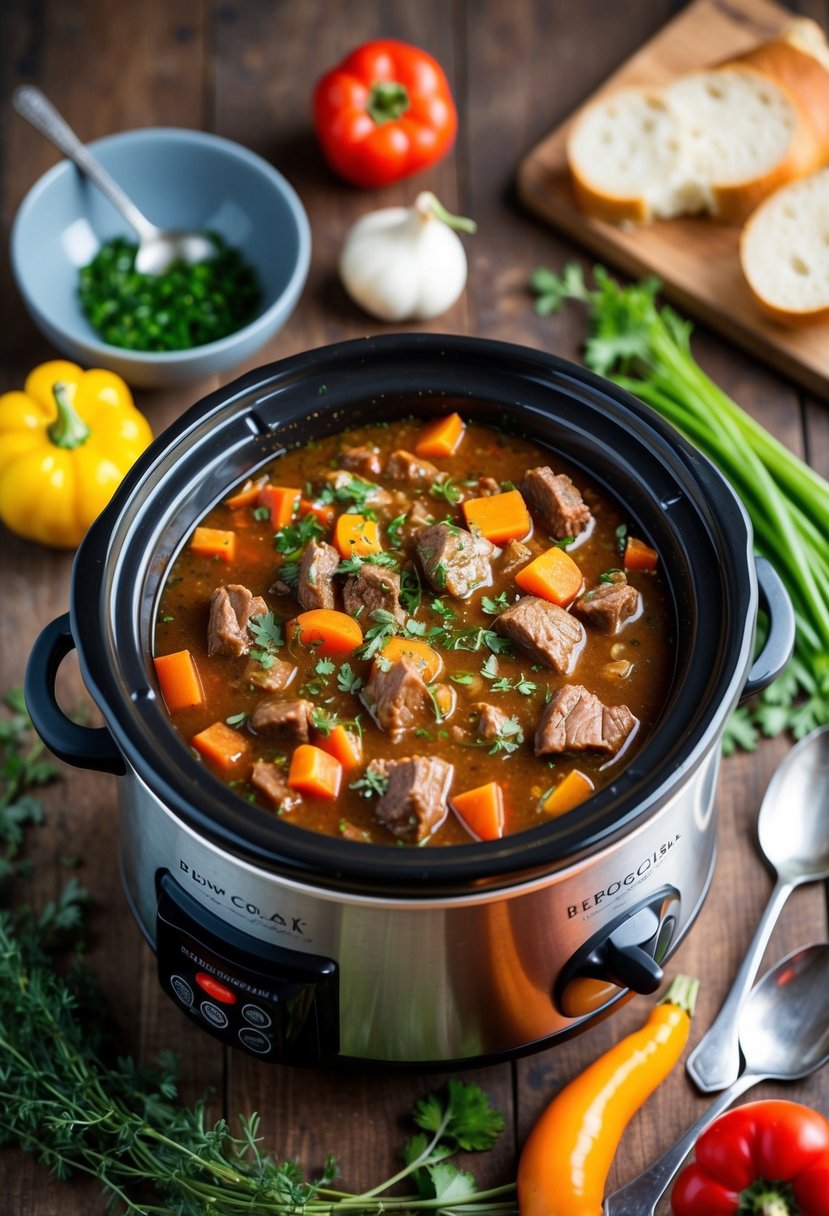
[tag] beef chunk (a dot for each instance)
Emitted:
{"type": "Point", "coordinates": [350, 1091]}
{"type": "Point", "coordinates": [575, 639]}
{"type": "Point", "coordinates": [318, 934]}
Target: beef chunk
{"type": "Point", "coordinates": [414, 803]}
{"type": "Point", "coordinates": [577, 721]}
{"type": "Point", "coordinates": [547, 633]}
{"type": "Point", "coordinates": [453, 559]}
{"type": "Point", "coordinates": [270, 679]}
{"type": "Point", "coordinates": [556, 502]}
{"type": "Point", "coordinates": [404, 466]}
{"type": "Point", "coordinates": [270, 780]}
{"type": "Point", "coordinates": [289, 718]}
{"type": "Point", "coordinates": [231, 608]}
{"type": "Point", "coordinates": [363, 460]}
{"type": "Point", "coordinates": [398, 699]}
{"type": "Point", "coordinates": [491, 720]}
{"type": "Point", "coordinates": [315, 586]}
{"type": "Point", "coordinates": [514, 554]}
{"type": "Point", "coordinates": [488, 486]}
{"type": "Point", "coordinates": [608, 606]}
{"type": "Point", "coordinates": [374, 587]}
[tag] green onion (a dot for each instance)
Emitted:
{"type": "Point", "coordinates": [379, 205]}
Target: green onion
{"type": "Point", "coordinates": [646, 350]}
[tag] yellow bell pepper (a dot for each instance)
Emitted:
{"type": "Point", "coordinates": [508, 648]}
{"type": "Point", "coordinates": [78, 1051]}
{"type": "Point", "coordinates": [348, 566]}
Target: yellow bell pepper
{"type": "Point", "coordinates": [66, 442]}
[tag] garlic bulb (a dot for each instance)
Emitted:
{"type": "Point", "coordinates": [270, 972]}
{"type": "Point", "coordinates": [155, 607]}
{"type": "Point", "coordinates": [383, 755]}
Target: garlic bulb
{"type": "Point", "coordinates": [405, 263]}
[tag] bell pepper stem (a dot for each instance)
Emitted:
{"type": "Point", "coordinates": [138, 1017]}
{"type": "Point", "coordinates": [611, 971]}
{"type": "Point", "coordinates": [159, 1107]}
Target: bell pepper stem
{"type": "Point", "coordinates": [69, 430]}
{"type": "Point", "coordinates": [768, 1199]}
{"type": "Point", "coordinates": [387, 101]}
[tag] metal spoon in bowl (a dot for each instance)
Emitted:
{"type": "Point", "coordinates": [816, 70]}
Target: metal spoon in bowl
{"type": "Point", "coordinates": [784, 1036]}
{"type": "Point", "coordinates": [793, 830]}
{"type": "Point", "coordinates": [158, 248]}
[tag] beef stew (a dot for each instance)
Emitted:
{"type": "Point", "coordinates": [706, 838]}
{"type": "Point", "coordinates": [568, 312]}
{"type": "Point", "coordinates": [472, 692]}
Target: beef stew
{"type": "Point", "coordinates": [416, 634]}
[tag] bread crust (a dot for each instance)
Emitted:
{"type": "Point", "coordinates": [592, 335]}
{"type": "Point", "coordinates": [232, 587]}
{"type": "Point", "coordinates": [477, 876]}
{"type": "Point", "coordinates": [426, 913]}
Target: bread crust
{"type": "Point", "coordinates": [801, 75]}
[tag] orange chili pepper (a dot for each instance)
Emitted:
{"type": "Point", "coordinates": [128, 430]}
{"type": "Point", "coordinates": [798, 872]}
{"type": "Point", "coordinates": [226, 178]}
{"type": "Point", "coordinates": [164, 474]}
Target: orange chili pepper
{"type": "Point", "coordinates": [567, 1157]}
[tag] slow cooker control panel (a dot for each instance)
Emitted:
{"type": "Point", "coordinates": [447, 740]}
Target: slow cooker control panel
{"type": "Point", "coordinates": [626, 954]}
{"type": "Point", "coordinates": [276, 1004]}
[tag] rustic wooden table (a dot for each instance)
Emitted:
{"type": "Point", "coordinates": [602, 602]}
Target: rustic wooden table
{"type": "Point", "coordinates": [244, 68]}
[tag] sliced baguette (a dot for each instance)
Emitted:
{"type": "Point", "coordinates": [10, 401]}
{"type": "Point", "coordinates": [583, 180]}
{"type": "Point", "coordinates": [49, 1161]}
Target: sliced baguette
{"type": "Point", "coordinates": [784, 252]}
{"type": "Point", "coordinates": [799, 61]}
{"type": "Point", "coordinates": [627, 158]}
{"type": "Point", "coordinates": [747, 137]}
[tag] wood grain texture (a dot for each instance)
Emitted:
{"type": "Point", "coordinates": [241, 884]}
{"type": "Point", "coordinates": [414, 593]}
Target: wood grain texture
{"type": "Point", "coordinates": [696, 258]}
{"type": "Point", "coordinates": [244, 68]}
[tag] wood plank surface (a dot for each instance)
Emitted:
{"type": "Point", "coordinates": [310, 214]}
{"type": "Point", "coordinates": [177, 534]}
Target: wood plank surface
{"type": "Point", "coordinates": [244, 68]}
{"type": "Point", "coordinates": [696, 258]}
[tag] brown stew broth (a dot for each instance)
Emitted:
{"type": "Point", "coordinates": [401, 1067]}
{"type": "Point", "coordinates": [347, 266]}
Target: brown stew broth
{"type": "Point", "coordinates": [647, 642]}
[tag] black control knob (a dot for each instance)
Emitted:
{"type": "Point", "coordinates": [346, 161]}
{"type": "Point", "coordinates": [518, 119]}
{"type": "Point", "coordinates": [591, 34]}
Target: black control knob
{"type": "Point", "coordinates": [625, 955]}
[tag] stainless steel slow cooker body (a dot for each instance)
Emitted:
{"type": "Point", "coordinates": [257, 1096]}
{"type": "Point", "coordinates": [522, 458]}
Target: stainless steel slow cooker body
{"type": "Point", "coordinates": [303, 948]}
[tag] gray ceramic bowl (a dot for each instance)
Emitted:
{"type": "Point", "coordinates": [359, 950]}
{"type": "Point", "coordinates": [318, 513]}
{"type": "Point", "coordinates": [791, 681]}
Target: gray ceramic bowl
{"type": "Point", "coordinates": [180, 179]}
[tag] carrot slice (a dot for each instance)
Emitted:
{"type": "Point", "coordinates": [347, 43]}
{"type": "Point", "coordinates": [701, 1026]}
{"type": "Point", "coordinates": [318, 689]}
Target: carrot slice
{"type": "Point", "coordinates": [329, 631]}
{"type": "Point", "coordinates": [214, 542]}
{"type": "Point", "coordinates": [357, 534]}
{"type": "Point", "coordinates": [314, 772]}
{"type": "Point", "coordinates": [321, 511]}
{"type": "Point", "coordinates": [441, 437]}
{"type": "Point", "coordinates": [281, 501]}
{"type": "Point", "coordinates": [179, 680]}
{"type": "Point", "coordinates": [639, 556]}
{"type": "Point", "coordinates": [499, 517]}
{"type": "Point", "coordinates": [421, 653]}
{"type": "Point", "coordinates": [344, 745]}
{"type": "Point", "coordinates": [482, 810]}
{"type": "Point", "coordinates": [222, 746]}
{"type": "Point", "coordinates": [552, 576]}
{"type": "Point", "coordinates": [446, 699]}
{"type": "Point", "coordinates": [248, 494]}
{"type": "Point", "coordinates": [569, 792]}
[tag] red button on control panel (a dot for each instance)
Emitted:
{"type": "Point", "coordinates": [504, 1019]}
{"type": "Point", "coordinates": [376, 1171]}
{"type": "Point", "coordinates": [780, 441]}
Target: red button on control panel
{"type": "Point", "coordinates": [219, 991]}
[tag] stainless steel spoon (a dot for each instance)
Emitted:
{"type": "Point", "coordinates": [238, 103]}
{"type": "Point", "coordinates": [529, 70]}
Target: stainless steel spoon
{"type": "Point", "coordinates": [793, 830]}
{"type": "Point", "coordinates": [784, 1035]}
{"type": "Point", "coordinates": [158, 248]}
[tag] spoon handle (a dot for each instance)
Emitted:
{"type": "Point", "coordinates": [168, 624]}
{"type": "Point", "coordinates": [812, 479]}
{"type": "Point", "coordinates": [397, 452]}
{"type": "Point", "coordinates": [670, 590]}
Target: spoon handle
{"type": "Point", "coordinates": [641, 1195]}
{"type": "Point", "coordinates": [35, 107]}
{"type": "Point", "coordinates": [715, 1061]}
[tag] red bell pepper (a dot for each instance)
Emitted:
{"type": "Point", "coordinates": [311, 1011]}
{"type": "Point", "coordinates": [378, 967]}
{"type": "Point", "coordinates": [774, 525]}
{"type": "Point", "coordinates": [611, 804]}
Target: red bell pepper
{"type": "Point", "coordinates": [384, 113]}
{"type": "Point", "coordinates": [762, 1159]}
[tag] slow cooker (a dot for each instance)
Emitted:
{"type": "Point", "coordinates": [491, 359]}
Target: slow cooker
{"type": "Point", "coordinates": [302, 948]}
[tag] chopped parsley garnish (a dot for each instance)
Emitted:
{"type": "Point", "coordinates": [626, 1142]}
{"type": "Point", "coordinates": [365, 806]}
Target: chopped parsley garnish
{"type": "Point", "coordinates": [611, 575]}
{"type": "Point", "coordinates": [353, 564]}
{"type": "Point", "coordinates": [411, 591]}
{"type": "Point", "coordinates": [376, 635]}
{"type": "Point", "coordinates": [462, 677]}
{"type": "Point", "coordinates": [439, 575]}
{"type": "Point", "coordinates": [447, 488]}
{"type": "Point", "coordinates": [323, 668]}
{"type": "Point", "coordinates": [438, 606]}
{"type": "Point", "coordinates": [494, 606]}
{"type": "Point", "coordinates": [372, 784]}
{"type": "Point", "coordinates": [564, 542]}
{"type": "Point", "coordinates": [270, 637]}
{"type": "Point", "coordinates": [490, 668]}
{"type": "Point", "coordinates": [237, 719]}
{"type": "Point", "coordinates": [347, 679]}
{"type": "Point", "coordinates": [505, 684]}
{"type": "Point", "coordinates": [415, 629]}
{"type": "Point", "coordinates": [621, 537]}
{"type": "Point", "coordinates": [393, 530]}
{"type": "Point", "coordinates": [354, 492]}
{"type": "Point", "coordinates": [261, 513]}
{"type": "Point", "coordinates": [509, 738]}
{"type": "Point", "coordinates": [291, 540]}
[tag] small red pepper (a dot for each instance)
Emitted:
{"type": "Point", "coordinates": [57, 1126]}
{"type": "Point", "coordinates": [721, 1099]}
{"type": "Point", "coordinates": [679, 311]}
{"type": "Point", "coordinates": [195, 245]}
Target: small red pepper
{"type": "Point", "coordinates": [762, 1159]}
{"type": "Point", "coordinates": [384, 113]}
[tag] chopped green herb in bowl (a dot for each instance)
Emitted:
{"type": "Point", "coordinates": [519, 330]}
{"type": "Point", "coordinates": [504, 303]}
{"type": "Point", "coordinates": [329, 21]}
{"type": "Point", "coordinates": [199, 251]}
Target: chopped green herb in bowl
{"type": "Point", "coordinates": [186, 306]}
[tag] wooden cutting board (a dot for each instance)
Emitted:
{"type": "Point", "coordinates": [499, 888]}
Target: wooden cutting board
{"type": "Point", "coordinates": [697, 259]}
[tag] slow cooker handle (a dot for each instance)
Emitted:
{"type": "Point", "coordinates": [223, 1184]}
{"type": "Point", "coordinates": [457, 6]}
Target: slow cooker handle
{"type": "Point", "coordinates": [83, 746]}
{"type": "Point", "coordinates": [779, 644]}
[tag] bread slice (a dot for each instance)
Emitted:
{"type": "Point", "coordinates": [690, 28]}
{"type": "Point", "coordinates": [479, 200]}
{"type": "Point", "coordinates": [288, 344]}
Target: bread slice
{"type": "Point", "coordinates": [798, 61]}
{"type": "Point", "coordinates": [627, 158]}
{"type": "Point", "coordinates": [747, 137]}
{"type": "Point", "coordinates": [784, 252]}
